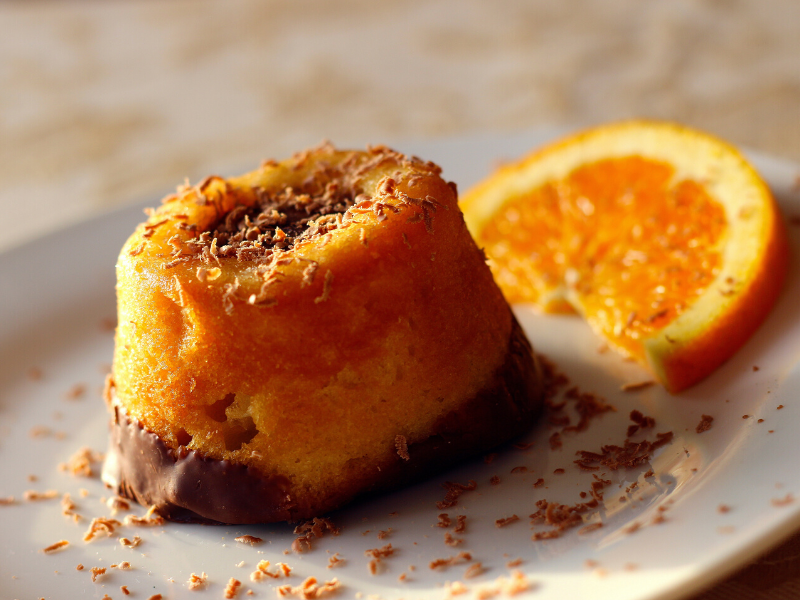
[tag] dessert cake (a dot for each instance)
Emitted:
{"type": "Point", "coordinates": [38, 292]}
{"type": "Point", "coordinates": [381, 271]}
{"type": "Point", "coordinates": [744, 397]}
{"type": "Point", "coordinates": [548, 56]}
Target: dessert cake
{"type": "Point", "coordinates": [305, 333]}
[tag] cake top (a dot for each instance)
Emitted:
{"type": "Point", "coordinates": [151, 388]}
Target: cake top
{"type": "Point", "coordinates": [269, 212]}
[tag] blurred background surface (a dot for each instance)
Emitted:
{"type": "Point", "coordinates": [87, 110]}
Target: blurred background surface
{"type": "Point", "coordinates": [107, 103]}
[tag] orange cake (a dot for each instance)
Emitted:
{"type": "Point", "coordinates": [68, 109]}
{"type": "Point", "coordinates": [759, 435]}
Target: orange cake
{"type": "Point", "coordinates": [308, 332]}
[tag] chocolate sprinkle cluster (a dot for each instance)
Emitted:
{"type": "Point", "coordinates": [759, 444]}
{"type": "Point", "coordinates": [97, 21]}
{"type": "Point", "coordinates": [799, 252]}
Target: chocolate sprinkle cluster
{"type": "Point", "coordinates": [281, 220]}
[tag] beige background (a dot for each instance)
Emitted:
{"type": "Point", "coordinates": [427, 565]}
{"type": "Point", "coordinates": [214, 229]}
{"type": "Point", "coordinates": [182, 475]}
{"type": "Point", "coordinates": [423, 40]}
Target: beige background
{"type": "Point", "coordinates": [106, 103]}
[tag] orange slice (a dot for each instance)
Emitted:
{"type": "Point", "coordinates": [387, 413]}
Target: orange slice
{"type": "Point", "coordinates": [665, 239]}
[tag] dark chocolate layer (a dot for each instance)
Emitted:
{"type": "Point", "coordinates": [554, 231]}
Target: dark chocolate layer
{"type": "Point", "coordinates": [186, 486]}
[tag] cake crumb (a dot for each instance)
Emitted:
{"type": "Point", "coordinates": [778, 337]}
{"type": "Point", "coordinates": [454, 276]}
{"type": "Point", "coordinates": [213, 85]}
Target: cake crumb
{"type": "Point", "coordinates": [80, 567]}
{"type": "Point", "coordinates": [514, 563]}
{"type": "Point", "coordinates": [538, 483]}
{"type": "Point", "coordinates": [7, 501]}
{"type": "Point", "coordinates": [452, 541]}
{"type": "Point", "coordinates": [723, 508]}
{"type": "Point", "coordinates": [124, 590]}
{"type": "Point", "coordinates": [489, 458]}
{"type": "Point", "coordinates": [384, 533]}
{"type": "Point", "coordinates": [520, 469]}
{"type": "Point", "coordinates": [495, 480]}
{"type": "Point", "coordinates": [97, 572]}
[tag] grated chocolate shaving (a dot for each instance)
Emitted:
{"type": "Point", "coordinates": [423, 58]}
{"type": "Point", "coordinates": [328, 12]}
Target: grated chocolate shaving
{"type": "Point", "coordinates": [506, 521]}
{"type": "Point", "coordinates": [315, 528]}
{"type": "Point", "coordinates": [310, 589]}
{"type": "Point", "coordinates": [454, 490]}
{"type": "Point", "coordinates": [249, 539]}
{"type": "Point", "coordinates": [335, 561]}
{"type": "Point", "coordinates": [59, 545]}
{"type": "Point", "coordinates": [401, 445]}
{"type": "Point", "coordinates": [629, 455]}
{"type": "Point", "coordinates": [383, 552]}
{"type": "Point", "coordinates": [444, 521]}
{"type": "Point", "coordinates": [130, 543]}
{"type": "Point", "coordinates": [461, 524]}
{"type": "Point", "coordinates": [34, 496]}
{"type": "Point", "coordinates": [443, 563]}
{"type": "Point", "coordinates": [232, 588]}
{"type": "Point", "coordinates": [101, 526]}
{"type": "Point", "coordinates": [636, 386]}
{"type": "Point", "coordinates": [76, 392]}
{"type": "Point", "coordinates": [81, 464]}
{"type": "Point", "coordinates": [704, 424]}
{"type": "Point", "coordinates": [474, 570]}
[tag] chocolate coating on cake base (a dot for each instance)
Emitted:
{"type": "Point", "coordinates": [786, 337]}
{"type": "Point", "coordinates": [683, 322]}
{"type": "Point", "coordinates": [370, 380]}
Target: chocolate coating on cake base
{"type": "Point", "coordinates": [186, 486]}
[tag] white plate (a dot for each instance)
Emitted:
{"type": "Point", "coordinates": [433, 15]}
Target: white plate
{"type": "Point", "coordinates": [57, 291]}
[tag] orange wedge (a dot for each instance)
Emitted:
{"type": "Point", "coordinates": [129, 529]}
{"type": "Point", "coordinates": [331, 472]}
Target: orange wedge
{"type": "Point", "coordinates": [664, 239]}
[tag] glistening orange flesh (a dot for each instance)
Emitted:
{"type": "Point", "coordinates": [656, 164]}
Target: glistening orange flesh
{"type": "Point", "coordinates": [606, 224]}
{"type": "Point", "coordinates": [663, 238]}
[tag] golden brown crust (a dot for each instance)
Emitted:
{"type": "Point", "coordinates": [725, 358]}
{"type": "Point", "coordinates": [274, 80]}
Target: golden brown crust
{"type": "Point", "coordinates": [186, 486]}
